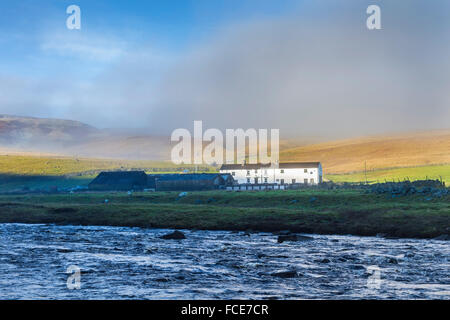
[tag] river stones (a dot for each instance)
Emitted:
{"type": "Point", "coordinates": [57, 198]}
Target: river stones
{"type": "Point", "coordinates": [444, 237]}
{"type": "Point", "coordinates": [282, 233]}
{"type": "Point", "coordinates": [248, 232]}
{"type": "Point", "coordinates": [324, 260]}
{"type": "Point", "coordinates": [285, 274]}
{"type": "Point", "coordinates": [176, 235]}
{"type": "Point", "coordinates": [392, 261]}
{"type": "Point", "coordinates": [293, 238]}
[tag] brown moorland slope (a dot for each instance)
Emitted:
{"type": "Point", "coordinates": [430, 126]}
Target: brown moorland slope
{"type": "Point", "coordinates": [350, 155]}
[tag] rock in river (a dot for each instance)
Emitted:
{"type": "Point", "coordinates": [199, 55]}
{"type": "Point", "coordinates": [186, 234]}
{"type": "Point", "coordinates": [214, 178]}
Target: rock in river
{"type": "Point", "coordinates": [324, 260]}
{"type": "Point", "coordinates": [285, 274]}
{"type": "Point", "coordinates": [176, 235]}
{"type": "Point", "coordinates": [293, 237]}
{"type": "Point", "coordinates": [392, 261]}
{"type": "Point", "coordinates": [444, 237]}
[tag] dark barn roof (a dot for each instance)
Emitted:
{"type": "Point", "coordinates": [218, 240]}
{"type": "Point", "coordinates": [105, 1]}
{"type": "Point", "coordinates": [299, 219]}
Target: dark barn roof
{"type": "Point", "coordinates": [189, 182]}
{"type": "Point", "coordinates": [188, 177]}
{"type": "Point", "coordinates": [119, 180]}
{"type": "Point", "coordinates": [282, 165]}
{"type": "Point", "coordinates": [138, 180]}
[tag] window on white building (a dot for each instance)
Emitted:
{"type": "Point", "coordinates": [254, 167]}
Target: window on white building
{"type": "Point", "coordinates": [265, 180]}
{"type": "Point", "coordinates": [248, 180]}
{"type": "Point", "coordinates": [293, 180]}
{"type": "Point", "coordinates": [248, 172]}
{"type": "Point", "coordinates": [281, 171]}
{"type": "Point", "coordinates": [233, 173]}
{"type": "Point", "coordinates": [306, 170]}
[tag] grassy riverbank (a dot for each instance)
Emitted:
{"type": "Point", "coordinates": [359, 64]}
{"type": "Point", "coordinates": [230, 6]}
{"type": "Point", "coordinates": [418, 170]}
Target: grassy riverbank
{"type": "Point", "coordinates": [311, 211]}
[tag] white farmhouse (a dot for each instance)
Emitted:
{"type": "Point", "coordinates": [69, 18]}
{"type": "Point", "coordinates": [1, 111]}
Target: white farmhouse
{"type": "Point", "coordinates": [284, 173]}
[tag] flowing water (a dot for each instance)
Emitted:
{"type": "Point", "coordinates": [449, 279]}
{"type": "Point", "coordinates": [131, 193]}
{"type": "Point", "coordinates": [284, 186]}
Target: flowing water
{"type": "Point", "coordinates": [134, 263]}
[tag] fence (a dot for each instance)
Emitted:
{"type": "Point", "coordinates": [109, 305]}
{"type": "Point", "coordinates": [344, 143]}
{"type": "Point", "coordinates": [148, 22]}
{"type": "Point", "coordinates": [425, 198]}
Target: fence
{"type": "Point", "coordinates": [256, 187]}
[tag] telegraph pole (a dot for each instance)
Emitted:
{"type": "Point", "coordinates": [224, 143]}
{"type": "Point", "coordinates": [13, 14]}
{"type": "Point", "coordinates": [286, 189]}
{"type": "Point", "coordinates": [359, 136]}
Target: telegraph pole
{"type": "Point", "coordinates": [365, 170]}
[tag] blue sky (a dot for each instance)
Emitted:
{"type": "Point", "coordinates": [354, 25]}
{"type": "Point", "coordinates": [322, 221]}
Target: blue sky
{"type": "Point", "coordinates": [306, 67]}
{"type": "Point", "coordinates": [36, 41]}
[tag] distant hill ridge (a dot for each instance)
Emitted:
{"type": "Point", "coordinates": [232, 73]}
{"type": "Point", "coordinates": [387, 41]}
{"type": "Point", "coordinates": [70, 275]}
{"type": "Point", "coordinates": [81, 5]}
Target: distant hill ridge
{"type": "Point", "coordinates": [23, 122]}
{"type": "Point", "coordinates": [69, 137]}
{"type": "Point", "coordinates": [16, 130]}
{"type": "Point", "coordinates": [73, 138]}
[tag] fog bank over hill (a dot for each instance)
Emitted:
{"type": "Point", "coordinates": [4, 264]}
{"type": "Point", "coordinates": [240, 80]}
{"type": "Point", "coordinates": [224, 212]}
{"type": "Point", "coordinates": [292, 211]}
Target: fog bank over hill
{"type": "Point", "coordinates": [320, 71]}
{"type": "Point", "coordinates": [315, 71]}
{"type": "Point", "coordinates": [42, 136]}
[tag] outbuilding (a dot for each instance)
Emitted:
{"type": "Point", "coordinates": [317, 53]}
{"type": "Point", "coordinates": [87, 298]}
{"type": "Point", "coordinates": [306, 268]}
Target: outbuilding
{"type": "Point", "coordinates": [120, 181]}
{"type": "Point", "coordinates": [191, 182]}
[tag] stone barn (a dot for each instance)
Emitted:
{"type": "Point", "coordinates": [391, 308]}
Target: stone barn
{"type": "Point", "coordinates": [120, 181]}
{"type": "Point", "coordinates": [151, 179]}
{"type": "Point", "coordinates": [190, 182]}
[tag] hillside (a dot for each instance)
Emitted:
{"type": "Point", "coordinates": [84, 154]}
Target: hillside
{"type": "Point", "coordinates": [380, 152]}
{"type": "Point", "coordinates": [29, 131]}
{"type": "Point", "coordinates": [41, 136]}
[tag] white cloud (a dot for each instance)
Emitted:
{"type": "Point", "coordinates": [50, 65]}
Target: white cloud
{"type": "Point", "coordinates": [76, 45]}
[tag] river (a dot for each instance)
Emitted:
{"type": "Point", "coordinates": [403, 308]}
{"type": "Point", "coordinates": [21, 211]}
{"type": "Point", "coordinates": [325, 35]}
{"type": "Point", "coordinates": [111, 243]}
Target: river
{"type": "Point", "coordinates": [134, 263]}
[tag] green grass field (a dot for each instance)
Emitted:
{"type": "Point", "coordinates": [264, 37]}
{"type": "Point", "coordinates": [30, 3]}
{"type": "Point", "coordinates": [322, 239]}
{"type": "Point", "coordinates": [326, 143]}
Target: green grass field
{"type": "Point", "coordinates": [307, 211]}
{"type": "Point", "coordinates": [59, 166]}
{"type": "Point", "coordinates": [435, 172]}
{"type": "Point", "coordinates": [11, 183]}
{"type": "Point", "coordinates": [32, 172]}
